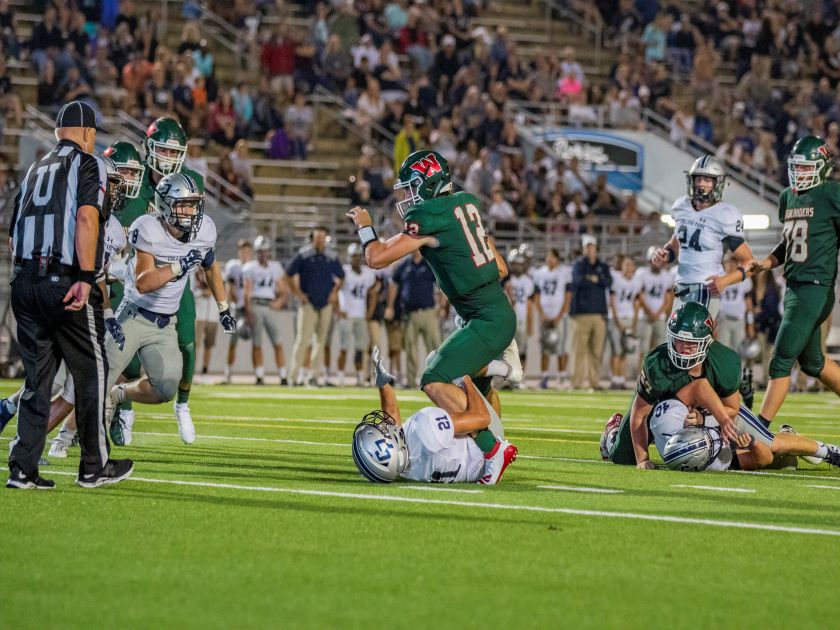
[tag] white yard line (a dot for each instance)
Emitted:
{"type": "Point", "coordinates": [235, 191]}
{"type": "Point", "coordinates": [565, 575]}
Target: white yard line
{"type": "Point", "coordinates": [248, 439]}
{"type": "Point", "coordinates": [822, 487]}
{"type": "Point", "coordinates": [661, 518]}
{"type": "Point", "coordinates": [437, 488]}
{"type": "Point", "coordinates": [715, 488]}
{"type": "Point", "coordinates": [583, 489]}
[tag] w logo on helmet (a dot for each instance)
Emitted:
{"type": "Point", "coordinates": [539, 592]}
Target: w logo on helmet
{"type": "Point", "coordinates": [710, 323]}
{"type": "Point", "coordinates": [427, 165]}
{"type": "Point", "coordinates": [152, 128]}
{"type": "Point", "coordinates": [823, 151]}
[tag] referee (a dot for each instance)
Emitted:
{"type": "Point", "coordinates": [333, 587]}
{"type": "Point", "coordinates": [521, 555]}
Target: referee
{"type": "Point", "coordinates": [57, 238]}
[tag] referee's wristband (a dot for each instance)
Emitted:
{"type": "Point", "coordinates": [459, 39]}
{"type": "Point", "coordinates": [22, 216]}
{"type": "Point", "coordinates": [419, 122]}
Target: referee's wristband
{"type": "Point", "coordinates": [366, 235]}
{"type": "Point", "coordinates": [88, 277]}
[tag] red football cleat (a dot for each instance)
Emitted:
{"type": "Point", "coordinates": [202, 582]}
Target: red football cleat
{"type": "Point", "coordinates": [496, 461]}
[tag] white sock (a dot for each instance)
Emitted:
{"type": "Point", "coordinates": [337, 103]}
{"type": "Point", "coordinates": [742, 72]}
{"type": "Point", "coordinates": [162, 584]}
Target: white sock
{"type": "Point", "coordinates": [497, 368]}
{"type": "Point", "coordinates": [260, 372]}
{"type": "Point", "coordinates": [283, 372]}
{"type": "Point", "coordinates": [339, 377]}
{"type": "Point", "coordinates": [227, 371]}
{"type": "Point", "coordinates": [66, 433]}
{"type": "Point", "coordinates": [822, 451]}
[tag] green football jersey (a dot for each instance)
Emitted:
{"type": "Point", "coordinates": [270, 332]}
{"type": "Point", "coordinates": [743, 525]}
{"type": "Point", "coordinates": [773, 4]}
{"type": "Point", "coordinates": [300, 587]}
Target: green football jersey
{"type": "Point", "coordinates": [811, 222]}
{"type": "Point", "coordinates": [135, 208]}
{"type": "Point", "coordinates": [661, 379]}
{"type": "Point", "coordinates": [462, 259]}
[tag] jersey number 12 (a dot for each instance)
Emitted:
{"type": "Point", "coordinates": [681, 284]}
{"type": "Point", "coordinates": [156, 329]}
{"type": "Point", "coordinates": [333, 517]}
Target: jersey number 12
{"type": "Point", "coordinates": [476, 236]}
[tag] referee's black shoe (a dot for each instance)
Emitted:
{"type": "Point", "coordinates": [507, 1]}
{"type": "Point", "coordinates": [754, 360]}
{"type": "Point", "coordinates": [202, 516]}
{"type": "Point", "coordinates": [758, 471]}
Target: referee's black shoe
{"type": "Point", "coordinates": [21, 481]}
{"type": "Point", "coordinates": [114, 471]}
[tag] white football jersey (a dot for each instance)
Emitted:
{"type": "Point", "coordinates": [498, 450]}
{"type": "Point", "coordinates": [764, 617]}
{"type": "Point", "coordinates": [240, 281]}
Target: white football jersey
{"type": "Point", "coordinates": [115, 240]}
{"type": "Point", "coordinates": [435, 453]}
{"type": "Point", "coordinates": [233, 273]}
{"type": "Point", "coordinates": [652, 287]}
{"type": "Point", "coordinates": [701, 235]}
{"type": "Point", "coordinates": [352, 296]}
{"type": "Point", "coordinates": [263, 278]}
{"type": "Point", "coordinates": [147, 234]}
{"type": "Point", "coordinates": [521, 289]}
{"type": "Point", "coordinates": [732, 300]}
{"type": "Point", "coordinates": [551, 283]}
{"type": "Point", "coordinates": [625, 291]}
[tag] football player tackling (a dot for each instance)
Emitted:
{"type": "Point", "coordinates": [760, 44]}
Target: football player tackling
{"type": "Point", "coordinates": [447, 229]}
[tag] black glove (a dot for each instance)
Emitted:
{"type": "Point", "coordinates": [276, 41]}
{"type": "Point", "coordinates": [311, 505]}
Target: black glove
{"type": "Point", "coordinates": [228, 322]}
{"type": "Point", "coordinates": [193, 259]}
{"type": "Point", "coordinates": [115, 330]}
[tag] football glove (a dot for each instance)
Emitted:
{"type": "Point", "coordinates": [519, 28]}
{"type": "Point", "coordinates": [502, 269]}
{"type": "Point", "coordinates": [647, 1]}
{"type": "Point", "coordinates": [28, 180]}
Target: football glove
{"type": "Point", "coordinates": [381, 375]}
{"type": "Point", "coordinates": [228, 322]}
{"type": "Point", "coordinates": [188, 262]}
{"type": "Point", "coordinates": [115, 330]}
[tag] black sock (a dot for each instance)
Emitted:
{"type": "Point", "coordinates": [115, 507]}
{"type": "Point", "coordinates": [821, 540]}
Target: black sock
{"type": "Point", "coordinates": [764, 420]}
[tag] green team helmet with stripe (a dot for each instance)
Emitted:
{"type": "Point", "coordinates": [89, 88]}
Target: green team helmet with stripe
{"type": "Point", "coordinates": [116, 187]}
{"type": "Point", "coordinates": [130, 165]}
{"type": "Point", "coordinates": [809, 164]}
{"type": "Point", "coordinates": [708, 166]}
{"type": "Point", "coordinates": [180, 204]}
{"type": "Point", "coordinates": [423, 175]}
{"type": "Point", "coordinates": [690, 333]}
{"type": "Point", "coordinates": [166, 146]}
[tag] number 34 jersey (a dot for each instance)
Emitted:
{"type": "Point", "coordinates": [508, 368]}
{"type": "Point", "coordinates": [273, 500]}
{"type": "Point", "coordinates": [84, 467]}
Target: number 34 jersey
{"type": "Point", "coordinates": [811, 222]}
{"type": "Point", "coordinates": [704, 237]}
{"type": "Point", "coordinates": [435, 453]}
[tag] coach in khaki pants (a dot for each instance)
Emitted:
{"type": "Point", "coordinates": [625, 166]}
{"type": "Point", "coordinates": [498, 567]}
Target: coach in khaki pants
{"type": "Point", "coordinates": [591, 279]}
{"type": "Point", "coordinates": [315, 275]}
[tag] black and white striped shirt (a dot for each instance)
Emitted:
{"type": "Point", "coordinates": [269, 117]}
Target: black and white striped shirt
{"type": "Point", "coordinates": [55, 187]}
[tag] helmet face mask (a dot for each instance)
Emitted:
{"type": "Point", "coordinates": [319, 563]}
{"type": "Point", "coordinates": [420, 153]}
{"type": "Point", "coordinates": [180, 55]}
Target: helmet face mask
{"type": "Point", "coordinates": [180, 204]}
{"type": "Point", "coordinates": [809, 164]}
{"type": "Point", "coordinates": [423, 175]}
{"type": "Point", "coordinates": [690, 333]}
{"type": "Point", "coordinates": [379, 449]}
{"type": "Point", "coordinates": [166, 146]}
{"type": "Point", "coordinates": [128, 162]}
{"type": "Point", "coordinates": [116, 187]}
{"type": "Point", "coordinates": [699, 190]}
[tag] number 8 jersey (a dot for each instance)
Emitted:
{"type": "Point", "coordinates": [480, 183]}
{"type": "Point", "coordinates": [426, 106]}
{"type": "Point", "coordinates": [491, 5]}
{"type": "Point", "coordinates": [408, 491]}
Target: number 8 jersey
{"type": "Point", "coordinates": [811, 224]}
{"type": "Point", "coordinates": [461, 258]}
{"type": "Point", "coordinates": [704, 237]}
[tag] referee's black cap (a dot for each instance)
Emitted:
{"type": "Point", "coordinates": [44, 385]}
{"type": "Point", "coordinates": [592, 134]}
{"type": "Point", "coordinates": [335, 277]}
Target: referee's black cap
{"type": "Point", "coordinates": [76, 114]}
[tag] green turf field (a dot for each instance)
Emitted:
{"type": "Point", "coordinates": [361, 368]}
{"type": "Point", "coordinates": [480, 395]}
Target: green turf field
{"type": "Point", "coordinates": [264, 522]}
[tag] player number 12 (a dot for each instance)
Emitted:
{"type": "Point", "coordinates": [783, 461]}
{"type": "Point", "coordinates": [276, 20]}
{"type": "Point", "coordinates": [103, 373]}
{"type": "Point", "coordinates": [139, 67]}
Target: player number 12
{"type": "Point", "coordinates": [471, 222]}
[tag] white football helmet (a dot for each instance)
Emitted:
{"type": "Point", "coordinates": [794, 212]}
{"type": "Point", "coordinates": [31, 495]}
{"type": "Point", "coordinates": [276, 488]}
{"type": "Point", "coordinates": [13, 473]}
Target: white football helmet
{"type": "Point", "coordinates": [379, 449]}
{"type": "Point", "coordinates": [710, 167]}
{"type": "Point", "coordinates": [180, 203]}
{"type": "Point", "coordinates": [692, 448]}
{"type": "Point", "coordinates": [262, 244]}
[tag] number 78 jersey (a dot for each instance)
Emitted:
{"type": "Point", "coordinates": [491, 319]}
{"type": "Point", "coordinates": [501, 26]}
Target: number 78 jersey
{"type": "Point", "coordinates": [461, 258]}
{"type": "Point", "coordinates": [704, 237]}
{"type": "Point", "coordinates": [811, 222]}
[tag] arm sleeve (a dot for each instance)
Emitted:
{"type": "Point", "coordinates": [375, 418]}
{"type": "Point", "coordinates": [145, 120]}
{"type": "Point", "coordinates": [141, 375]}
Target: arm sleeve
{"type": "Point", "coordinates": [92, 183]}
{"type": "Point", "coordinates": [779, 252]}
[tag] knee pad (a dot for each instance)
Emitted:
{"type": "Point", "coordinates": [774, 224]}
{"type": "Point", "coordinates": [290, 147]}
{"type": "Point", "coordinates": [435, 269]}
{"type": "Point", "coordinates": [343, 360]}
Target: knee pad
{"type": "Point", "coordinates": [188, 367]}
{"type": "Point", "coordinates": [165, 387]}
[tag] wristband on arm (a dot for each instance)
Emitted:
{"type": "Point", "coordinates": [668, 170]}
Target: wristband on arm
{"type": "Point", "coordinates": [743, 273]}
{"type": "Point", "coordinates": [366, 235]}
{"type": "Point", "coordinates": [88, 277]}
{"type": "Point", "coordinates": [671, 255]}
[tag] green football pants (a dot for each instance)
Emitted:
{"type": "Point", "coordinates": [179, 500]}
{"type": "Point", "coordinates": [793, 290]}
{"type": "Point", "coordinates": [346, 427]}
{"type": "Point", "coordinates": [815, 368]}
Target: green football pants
{"type": "Point", "coordinates": [807, 306]}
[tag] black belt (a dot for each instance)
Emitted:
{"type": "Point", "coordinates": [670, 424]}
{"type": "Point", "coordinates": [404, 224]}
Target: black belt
{"type": "Point", "coordinates": [44, 266]}
{"type": "Point", "coordinates": [159, 319]}
{"type": "Point", "coordinates": [262, 301]}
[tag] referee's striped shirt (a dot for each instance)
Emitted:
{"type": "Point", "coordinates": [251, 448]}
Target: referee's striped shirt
{"type": "Point", "coordinates": [55, 187]}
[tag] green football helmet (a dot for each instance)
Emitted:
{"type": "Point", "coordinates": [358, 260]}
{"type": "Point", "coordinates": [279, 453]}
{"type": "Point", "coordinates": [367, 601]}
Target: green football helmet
{"type": "Point", "coordinates": [425, 175]}
{"type": "Point", "coordinates": [116, 187]}
{"type": "Point", "coordinates": [129, 164]}
{"type": "Point", "coordinates": [166, 146]}
{"type": "Point", "coordinates": [809, 164]}
{"type": "Point", "coordinates": [690, 332]}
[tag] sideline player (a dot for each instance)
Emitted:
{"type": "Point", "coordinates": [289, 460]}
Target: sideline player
{"type": "Point", "coordinates": [182, 237]}
{"type": "Point", "coordinates": [623, 321]}
{"type": "Point", "coordinates": [236, 295]}
{"type": "Point", "coordinates": [655, 300]}
{"type": "Point", "coordinates": [810, 211]}
{"type": "Point", "coordinates": [552, 280]}
{"type": "Point", "coordinates": [354, 302]}
{"type": "Point", "coordinates": [705, 228]}
{"type": "Point", "coordinates": [447, 228]}
{"type": "Point", "coordinates": [520, 288]}
{"type": "Point", "coordinates": [266, 293]}
{"type": "Point", "coordinates": [433, 445]}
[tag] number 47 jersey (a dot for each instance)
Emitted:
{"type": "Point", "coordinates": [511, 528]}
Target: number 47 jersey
{"type": "Point", "coordinates": [705, 236]}
{"type": "Point", "coordinates": [435, 453]}
{"type": "Point", "coordinates": [461, 258]}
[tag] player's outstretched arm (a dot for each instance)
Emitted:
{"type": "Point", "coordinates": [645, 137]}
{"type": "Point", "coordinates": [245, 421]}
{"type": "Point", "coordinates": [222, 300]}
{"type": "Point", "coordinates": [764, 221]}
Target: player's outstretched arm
{"type": "Point", "coordinates": [150, 277]}
{"type": "Point", "coordinates": [385, 382]}
{"type": "Point", "coordinates": [774, 259]}
{"type": "Point", "coordinates": [475, 417]}
{"type": "Point", "coordinates": [639, 432]}
{"type": "Point", "coordinates": [380, 254]}
{"type": "Point", "coordinates": [699, 393]}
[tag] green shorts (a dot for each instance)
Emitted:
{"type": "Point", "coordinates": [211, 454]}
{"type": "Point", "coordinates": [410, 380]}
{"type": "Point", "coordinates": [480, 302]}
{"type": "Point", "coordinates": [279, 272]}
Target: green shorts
{"type": "Point", "coordinates": [489, 329]}
{"type": "Point", "coordinates": [807, 306]}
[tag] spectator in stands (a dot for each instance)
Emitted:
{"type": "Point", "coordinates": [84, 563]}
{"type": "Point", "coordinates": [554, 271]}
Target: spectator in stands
{"type": "Point", "coordinates": [266, 115]}
{"type": "Point", "coordinates": [703, 126]}
{"type": "Point", "coordinates": [190, 38]}
{"type": "Point", "coordinates": [242, 166]}
{"type": "Point", "coordinates": [337, 64]}
{"type": "Point", "coordinates": [446, 63]}
{"type": "Point", "coordinates": [182, 100]}
{"type": "Point", "coordinates": [582, 220]}
{"type": "Point", "coordinates": [501, 213]}
{"type": "Point", "coordinates": [135, 76]}
{"type": "Point", "coordinates": [602, 202]}
{"type": "Point", "coordinates": [47, 42]}
{"type": "Point", "coordinates": [315, 275]}
{"type": "Point", "coordinates": [228, 174]}
{"type": "Point", "coordinates": [299, 122]}
{"type": "Point", "coordinates": [443, 140]}
{"type": "Point", "coordinates": [8, 30]}
{"type": "Point", "coordinates": [481, 176]}
{"type": "Point", "coordinates": [624, 109]}
{"type": "Point", "coordinates": [406, 142]}
{"type": "Point", "coordinates": [365, 50]}
{"type": "Point", "coordinates": [591, 279]}
{"type": "Point", "coordinates": [654, 37]}
{"type": "Point", "coordinates": [414, 41]}
{"type": "Point", "coordinates": [371, 108]}
{"type": "Point", "coordinates": [158, 94]}
{"type": "Point", "coordinates": [48, 96]}
{"type": "Point", "coordinates": [196, 159]}
{"type": "Point", "coordinates": [682, 126]}
{"type": "Point", "coordinates": [203, 59]}
{"type": "Point", "coordinates": [107, 82]}
{"type": "Point", "coordinates": [9, 101]}
{"type": "Point", "coordinates": [74, 87]}
{"type": "Point", "coordinates": [243, 105]}
{"type": "Point", "coordinates": [764, 158]}
{"type": "Point", "coordinates": [319, 31]}
{"type": "Point", "coordinates": [279, 144]}
{"type": "Point", "coordinates": [277, 60]}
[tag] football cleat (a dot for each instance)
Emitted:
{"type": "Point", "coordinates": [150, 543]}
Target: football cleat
{"type": "Point", "coordinates": [609, 435]}
{"type": "Point", "coordinates": [186, 428]}
{"type": "Point", "coordinates": [811, 459]}
{"type": "Point", "coordinates": [511, 357]}
{"type": "Point", "coordinates": [62, 442]}
{"type": "Point", "coordinates": [122, 427]}
{"type": "Point", "coordinates": [114, 471]}
{"type": "Point", "coordinates": [496, 461]}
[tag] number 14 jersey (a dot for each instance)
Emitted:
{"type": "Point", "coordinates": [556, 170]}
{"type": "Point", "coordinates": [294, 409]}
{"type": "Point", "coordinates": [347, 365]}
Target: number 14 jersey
{"type": "Point", "coordinates": [811, 222]}
{"type": "Point", "coordinates": [704, 237]}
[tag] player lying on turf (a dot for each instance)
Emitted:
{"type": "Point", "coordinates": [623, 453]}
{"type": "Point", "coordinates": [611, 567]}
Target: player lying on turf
{"type": "Point", "coordinates": [433, 445]}
{"type": "Point", "coordinates": [687, 440]}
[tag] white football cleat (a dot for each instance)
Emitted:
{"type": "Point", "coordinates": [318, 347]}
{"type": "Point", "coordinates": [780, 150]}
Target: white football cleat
{"type": "Point", "coordinates": [186, 428]}
{"type": "Point", "coordinates": [811, 459]}
{"type": "Point", "coordinates": [61, 443]}
{"type": "Point", "coordinates": [126, 420]}
{"type": "Point", "coordinates": [511, 357]}
{"type": "Point", "coordinates": [496, 461]}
